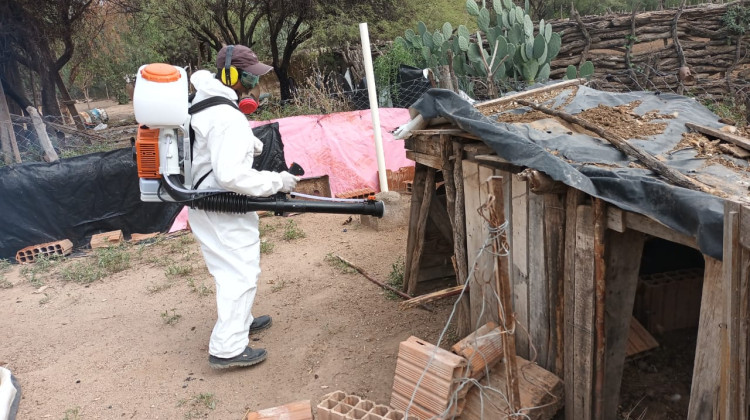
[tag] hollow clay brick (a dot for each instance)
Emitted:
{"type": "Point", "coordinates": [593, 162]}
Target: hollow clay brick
{"type": "Point", "coordinates": [325, 407]}
{"type": "Point", "coordinates": [31, 253]}
{"type": "Point", "coordinates": [298, 410]}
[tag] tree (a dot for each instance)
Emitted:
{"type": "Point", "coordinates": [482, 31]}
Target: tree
{"type": "Point", "coordinates": [275, 28]}
{"type": "Point", "coordinates": [38, 35]}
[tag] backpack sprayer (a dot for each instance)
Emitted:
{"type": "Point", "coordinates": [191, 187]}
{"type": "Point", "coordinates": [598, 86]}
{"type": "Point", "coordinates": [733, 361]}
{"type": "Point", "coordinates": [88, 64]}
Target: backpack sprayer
{"type": "Point", "coordinates": [163, 156]}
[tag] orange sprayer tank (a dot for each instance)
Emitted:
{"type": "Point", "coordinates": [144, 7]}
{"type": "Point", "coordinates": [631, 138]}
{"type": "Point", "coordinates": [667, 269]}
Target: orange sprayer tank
{"type": "Point", "coordinates": [147, 152]}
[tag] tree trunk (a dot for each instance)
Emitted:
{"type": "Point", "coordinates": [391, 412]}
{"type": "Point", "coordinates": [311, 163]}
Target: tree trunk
{"type": "Point", "coordinates": [50, 107]}
{"type": "Point", "coordinates": [284, 86]}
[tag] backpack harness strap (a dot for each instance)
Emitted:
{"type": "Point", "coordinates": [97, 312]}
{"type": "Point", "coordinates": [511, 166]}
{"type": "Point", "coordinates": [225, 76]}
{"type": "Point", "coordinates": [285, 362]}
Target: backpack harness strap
{"type": "Point", "coordinates": [198, 107]}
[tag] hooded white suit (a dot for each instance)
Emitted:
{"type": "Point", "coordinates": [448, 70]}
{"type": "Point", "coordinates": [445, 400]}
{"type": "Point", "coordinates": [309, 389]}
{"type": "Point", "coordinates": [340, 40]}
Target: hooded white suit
{"type": "Point", "coordinates": [230, 243]}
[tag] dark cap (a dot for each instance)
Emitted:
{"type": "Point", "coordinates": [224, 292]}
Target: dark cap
{"type": "Point", "coordinates": [243, 58]}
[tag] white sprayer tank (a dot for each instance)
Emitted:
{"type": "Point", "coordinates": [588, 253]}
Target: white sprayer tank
{"type": "Point", "coordinates": [160, 98]}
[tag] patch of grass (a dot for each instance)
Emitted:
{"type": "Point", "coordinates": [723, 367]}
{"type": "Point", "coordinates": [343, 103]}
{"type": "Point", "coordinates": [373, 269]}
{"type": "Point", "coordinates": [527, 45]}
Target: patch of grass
{"type": "Point", "coordinates": [182, 242]}
{"type": "Point", "coordinates": [728, 108]}
{"type": "Point", "coordinates": [108, 261]}
{"type": "Point", "coordinates": [113, 259]}
{"type": "Point", "coordinates": [170, 319]}
{"type": "Point", "coordinates": [395, 278]}
{"type": "Point", "coordinates": [176, 270]}
{"type": "Point", "coordinates": [266, 228]}
{"type": "Point", "coordinates": [277, 285]}
{"type": "Point", "coordinates": [266, 247]}
{"type": "Point", "coordinates": [339, 265]}
{"type": "Point", "coordinates": [199, 405]}
{"type": "Point", "coordinates": [154, 288]}
{"type": "Point", "coordinates": [4, 268]}
{"type": "Point", "coordinates": [41, 266]}
{"type": "Point", "coordinates": [292, 231]}
{"type": "Point", "coordinates": [72, 414]}
{"type": "Point", "coordinates": [202, 290]}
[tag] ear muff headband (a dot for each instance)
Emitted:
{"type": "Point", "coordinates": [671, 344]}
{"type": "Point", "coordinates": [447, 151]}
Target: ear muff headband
{"type": "Point", "coordinates": [229, 75]}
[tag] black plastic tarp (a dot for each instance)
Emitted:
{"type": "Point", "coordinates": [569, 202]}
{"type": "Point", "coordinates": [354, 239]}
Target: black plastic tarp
{"type": "Point", "coordinates": [595, 167]}
{"type": "Point", "coordinates": [78, 197]}
{"type": "Point", "coordinates": [73, 199]}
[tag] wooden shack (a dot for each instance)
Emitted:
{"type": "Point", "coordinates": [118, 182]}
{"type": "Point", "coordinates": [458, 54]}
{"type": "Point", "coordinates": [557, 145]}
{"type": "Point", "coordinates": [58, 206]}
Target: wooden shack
{"type": "Point", "coordinates": [572, 260]}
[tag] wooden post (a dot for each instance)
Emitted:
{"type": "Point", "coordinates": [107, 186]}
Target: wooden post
{"type": "Point", "coordinates": [538, 304]}
{"type": "Point", "coordinates": [7, 135]}
{"type": "Point", "coordinates": [424, 208]}
{"type": "Point", "coordinates": [41, 133]}
{"type": "Point", "coordinates": [481, 263]}
{"type": "Point", "coordinates": [417, 193]}
{"type": "Point", "coordinates": [459, 240]}
{"type": "Point", "coordinates": [518, 222]}
{"type": "Point", "coordinates": [506, 314]}
{"type": "Point", "coordinates": [600, 286]}
{"type": "Point", "coordinates": [704, 393]}
{"type": "Point", "coordinates": [579, 308]}
{"type": "Point", "coordinates": [554, 260]}
{"type": "Point", "coordinates": [735, 347]}
{"type": "Point", "coordinates": [463, 313]}
{"type": "Point", "coordinates": [623, 262]}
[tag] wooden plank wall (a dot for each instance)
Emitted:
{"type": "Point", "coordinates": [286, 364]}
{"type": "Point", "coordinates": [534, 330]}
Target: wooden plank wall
{"type": "Point", "coordinates": [720, 372]}
{"type": "Point", "coordinates": [735, 358]}
{"type": "Point", "coordinates": [484, 307]}
{"type": "Point", "coordinates": [535, 235]}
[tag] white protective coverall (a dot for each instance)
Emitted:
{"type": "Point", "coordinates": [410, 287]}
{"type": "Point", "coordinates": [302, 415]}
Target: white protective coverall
{"type": "Point", "coordinates": [230, 243]}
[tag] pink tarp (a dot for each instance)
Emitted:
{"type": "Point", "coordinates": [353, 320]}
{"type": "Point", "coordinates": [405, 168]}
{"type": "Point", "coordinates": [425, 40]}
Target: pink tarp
{"type": "Point", "coordinates": [342, 146]}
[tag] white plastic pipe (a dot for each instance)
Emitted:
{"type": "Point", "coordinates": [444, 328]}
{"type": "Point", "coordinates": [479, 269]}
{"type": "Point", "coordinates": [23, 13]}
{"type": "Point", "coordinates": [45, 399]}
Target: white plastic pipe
{"type": "Point", "coordinates": [370, 76]}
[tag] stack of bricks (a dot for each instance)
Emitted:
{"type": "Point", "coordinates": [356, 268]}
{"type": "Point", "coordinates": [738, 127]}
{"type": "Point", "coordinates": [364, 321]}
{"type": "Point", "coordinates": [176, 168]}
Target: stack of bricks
{"type": "Point", "coordinates": [438, 373]}
{"type": "Point", "coordinates": [360, 193]}
{"type": "Point", "coordinates": [49, 249]}
{"type": "Point", "coordinates": [339, 405]}
{"type": "Point", "coordinates": [669, 301]}
{"type": "Point", "coordinates": [398, 180]}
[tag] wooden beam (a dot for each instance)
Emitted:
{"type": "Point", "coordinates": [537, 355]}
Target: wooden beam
{"type": "Point", "coordinates": [463, 312]}
{"type": "Point", "coordinates": [420, 175]}
{"type": "Point", "coordinates": [519, 255]}
{"type": "Point", "coordinates": [740, 141]}
{"type": "Point", "coordinates": [497, 162]}
{"type": "Point", "coordinates": [623, 261]}
{"type": "Point", "coordinates": [538, 280]}
{"type": "Point", "coordinates": [735, 347]}
{"type": "Point", "coordinates": [434, 162]}
{"type": "Point", "coordinates": [515, 96]}
{"type": "Point", "coordinates": [410, 280]}
{"type": "Point", "coordinates": [554, 260]}
{"type": "Point", "coordinates": [431, 297]}
{"type": "Point", "coordinates": [41, 134]}
{"type": "Point", "coordinates": [506, 313]}
{"type": "Point", "coordinates": [455, 203]}
{"type": "Point", "coordinates": [621, 144]}
{"type": "Point", "coordinates": [620, 220]}
{"type": "Point", "coordinates": [600, 277]}
{"type": "Point", "coordinates": [704, 393]}
{"type": "Point", "coordinates": [573, 198]}
{"type": "Point", "coordinates": [449, 131]}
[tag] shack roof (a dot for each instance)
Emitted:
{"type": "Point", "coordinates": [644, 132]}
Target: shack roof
{"type": "Point", "coordinates": [656, 123]}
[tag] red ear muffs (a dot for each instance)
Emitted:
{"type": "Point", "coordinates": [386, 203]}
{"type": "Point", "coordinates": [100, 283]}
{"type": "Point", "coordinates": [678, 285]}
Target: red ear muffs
{"type": "Point", "coordinates": [248, 105]}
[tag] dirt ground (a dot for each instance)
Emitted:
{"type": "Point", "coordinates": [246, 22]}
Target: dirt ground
{"type": "Point", "coordinates": [134, 344]}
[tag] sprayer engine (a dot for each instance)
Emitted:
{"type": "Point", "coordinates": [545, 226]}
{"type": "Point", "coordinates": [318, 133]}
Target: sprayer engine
{"type": "Point", "coordinates": [162, 153]}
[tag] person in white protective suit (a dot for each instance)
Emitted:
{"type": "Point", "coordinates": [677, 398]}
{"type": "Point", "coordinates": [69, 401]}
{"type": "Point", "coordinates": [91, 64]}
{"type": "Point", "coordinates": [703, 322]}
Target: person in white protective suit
{"type": "Point", "coordinates": [224, 149]}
